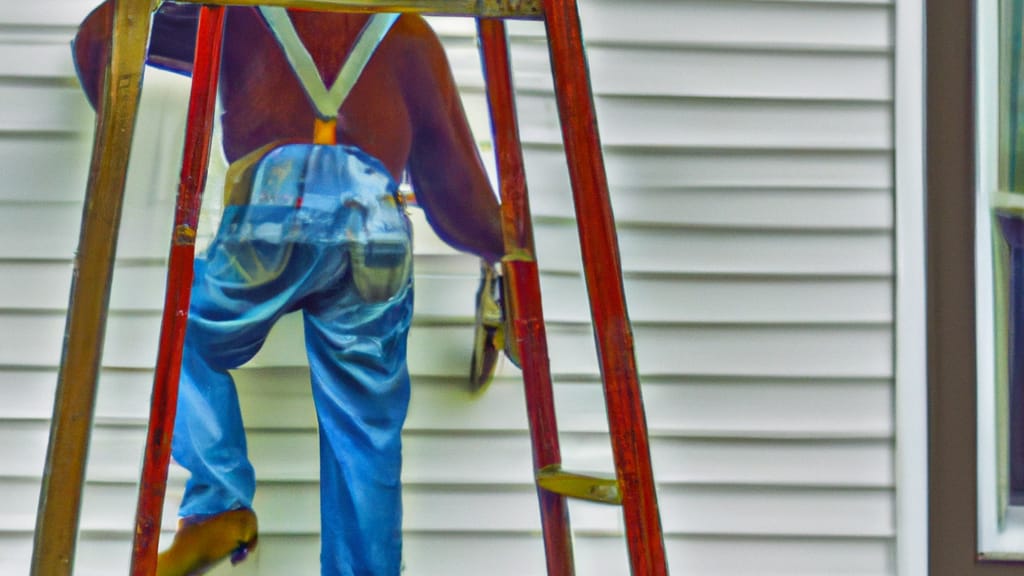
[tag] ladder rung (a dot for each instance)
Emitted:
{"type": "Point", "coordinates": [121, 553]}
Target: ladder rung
{"type": "Point", "coordinates": [604, 490]}
{"type": "Point", "coordinates": [519, 9]}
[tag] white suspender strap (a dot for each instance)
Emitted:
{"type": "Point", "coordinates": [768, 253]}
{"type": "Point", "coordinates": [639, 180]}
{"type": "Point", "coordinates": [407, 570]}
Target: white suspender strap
{"type": "Point", "coordinates": [327, 102]}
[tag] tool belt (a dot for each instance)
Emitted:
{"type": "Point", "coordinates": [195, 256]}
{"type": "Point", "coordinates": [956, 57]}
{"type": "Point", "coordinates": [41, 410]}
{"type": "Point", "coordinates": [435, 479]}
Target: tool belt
{"type": "Point", "coordinates": [337, 195]}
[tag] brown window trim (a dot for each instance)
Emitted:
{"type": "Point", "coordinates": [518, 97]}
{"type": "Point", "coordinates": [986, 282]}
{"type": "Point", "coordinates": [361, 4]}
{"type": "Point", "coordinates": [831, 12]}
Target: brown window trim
{"type": "Point", "coordinates": [952, 356]}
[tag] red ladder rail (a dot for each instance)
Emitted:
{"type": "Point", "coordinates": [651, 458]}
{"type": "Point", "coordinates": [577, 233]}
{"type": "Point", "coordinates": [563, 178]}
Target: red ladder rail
{"type": "Point", "coordinates": [634, 484]}
{"type": "Point", "coordinates": [198, 133]}
{"type": "Point", "coordinates": [603, 271]}
{"type": "Point", "coordinates": [523, 291]}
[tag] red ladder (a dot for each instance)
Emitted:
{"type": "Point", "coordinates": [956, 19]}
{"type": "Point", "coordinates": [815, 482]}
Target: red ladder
{"type": "Point", "coordinates": [633, 486]}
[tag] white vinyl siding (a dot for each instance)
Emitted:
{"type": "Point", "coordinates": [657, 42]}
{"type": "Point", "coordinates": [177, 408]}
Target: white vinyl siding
{"type": "Point", "coordinates": [749, 147]}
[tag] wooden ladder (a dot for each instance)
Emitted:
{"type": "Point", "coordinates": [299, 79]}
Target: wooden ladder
{"type": "Point", "coordinates": [633, 486]}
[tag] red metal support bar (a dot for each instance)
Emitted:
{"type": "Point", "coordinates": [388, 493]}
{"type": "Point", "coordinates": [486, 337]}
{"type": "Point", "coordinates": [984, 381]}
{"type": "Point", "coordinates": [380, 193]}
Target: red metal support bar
{"type": "Point", "coordinates": [199, 129]}
{"type": "Point", "coordinates": [523, 291]}
{"type": "Point", "coordinates": [515, 205]}
{"type": "Point", "coordinates": [603, 271]}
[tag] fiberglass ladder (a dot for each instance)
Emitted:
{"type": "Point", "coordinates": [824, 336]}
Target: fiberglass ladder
{"type": "Point", "coordinates": [633, 487]}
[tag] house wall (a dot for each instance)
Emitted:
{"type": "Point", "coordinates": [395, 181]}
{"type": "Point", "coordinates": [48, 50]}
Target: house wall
{"type": "Point", "coordinates": [749, 147]}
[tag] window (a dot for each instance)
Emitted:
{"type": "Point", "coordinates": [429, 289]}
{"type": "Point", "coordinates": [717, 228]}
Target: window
{"type": "Point", "coordinates": [953, 310]}
{"type": "Point", "coordinates": [1000, 281]}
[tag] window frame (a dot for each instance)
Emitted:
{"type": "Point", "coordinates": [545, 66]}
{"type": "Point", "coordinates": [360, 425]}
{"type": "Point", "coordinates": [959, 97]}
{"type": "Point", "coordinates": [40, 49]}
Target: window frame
{"type": "Point", "coordinates": [950, 172]}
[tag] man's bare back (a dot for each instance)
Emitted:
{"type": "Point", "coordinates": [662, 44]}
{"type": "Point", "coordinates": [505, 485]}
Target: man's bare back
{"type": "Point", "coordinates": [405, 109]}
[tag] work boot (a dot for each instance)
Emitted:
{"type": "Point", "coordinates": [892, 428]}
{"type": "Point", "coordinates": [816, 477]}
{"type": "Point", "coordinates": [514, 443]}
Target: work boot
{"type": "Point", "coordinates": [203, 541]}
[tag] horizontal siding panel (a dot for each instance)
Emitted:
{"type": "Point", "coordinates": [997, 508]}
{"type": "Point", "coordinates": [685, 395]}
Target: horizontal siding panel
{"type": "Point", "coordinates": [45, 12]}
{"type": "Point", "coordinates": [719, 123]}
{"type": "Point", "coordinates": [496, 458]}
{"type": "Point", "coordinates": [632, 169]}
{"type": "Point", "coordinates": [519, 555]}
{"type": "Point", "coordinates": [770, 70]}
{"type": "Point", "coordinates": [279, 399]}
{"type": "Point", "coordinates": [717, 23]}
{"type": "Point", "coordinates": [729, 556]}
{"type": "Point", "coordinates": [22, 56]}
{"type": "Point", "coordinates": [429, 554]}
{"type": "Point", "coordinates": [700, 72]}
{"type": "Point", "coordinates": [695, 408]}
{"type": "Point", "coordinates": [698, 251]}
{"type": "Point", "coordinates": [52, 167]}
{"type": "Point", "coordinates": [771, 511]}
{"type": "Point", "coordinates": [748, 351]}
{"type": "Point", "coordinates": [796, 17]}
{"type": "Point", "coordinates": [44, 169]}
{"type": "Point", "coordinates": [748, 208]}
{"type": "Point", "coordinates": [837, 2]}
{"type": "Point", "coordinates": [41, 108]}
{"type": "Point", "coordinates": [755, 556]}
{"type": "Point", "coordinates": [459, 460]}
{"type": "Point", "coordinates": [757, 351]}
{"type": "Point", "coordinates": [16, 551]}
{"type": "Point", "coordinates": [717, 300]}
{"type": "Point", "coordinates": [522, 555]}
{"type": "Point", "coordinates": [448, 280]}
{"type": "Point", "coordinates": [33, 340]}
{"type": "Point", "coordinates": [710, 123]}
{"type": "Point", "coordinates": [739, 23]}
{"type": "Point", "coordinates": [705, 510]}
{"type": "Point", "coordinates": [27, 394]}
{"type": "Point", "coordinates": [617, 70]}
{"type": "Point", "coordinates": [41, 285]}
{"type": "Point", "coordinates": [445, 298]}
{"type": "Point", "coordinates": [693, 299]}
{"type": "Point", "coordinates": [294, 509]}
{"type": "Point", "coordinates": [736, 110]}
{"type": "Point", "coordinates": [801, 463]}
{"type": "Point", "coordinates": [505, 459]}
{"type": "Point", "coordinates": [123, 395]}
{"type": "Point", "coordinates": [731, 74]}
{"type": "Point", "coordinates": [145, 233]}
{"type": "Point", "coordinates": [145, 229]}
{"type": "Point", "coordinates": [760, 408]}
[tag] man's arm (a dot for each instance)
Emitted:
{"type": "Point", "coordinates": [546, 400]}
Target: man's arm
{"type": "Point", "coordinates": [171, 46]}
{"type": "Point", "coordinates": [450, 181]}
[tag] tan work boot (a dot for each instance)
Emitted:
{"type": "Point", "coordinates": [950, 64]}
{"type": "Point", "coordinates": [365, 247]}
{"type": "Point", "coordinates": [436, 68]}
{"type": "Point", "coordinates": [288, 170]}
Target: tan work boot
{"type": "Point", "coordinates": [202, 542]}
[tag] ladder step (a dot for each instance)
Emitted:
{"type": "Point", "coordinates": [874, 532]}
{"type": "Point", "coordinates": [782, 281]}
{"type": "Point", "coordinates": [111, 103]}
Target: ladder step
{"type": "Point", "coordinates": [517, 9]}
{"type": "Point", "coordinates": [603, 490]}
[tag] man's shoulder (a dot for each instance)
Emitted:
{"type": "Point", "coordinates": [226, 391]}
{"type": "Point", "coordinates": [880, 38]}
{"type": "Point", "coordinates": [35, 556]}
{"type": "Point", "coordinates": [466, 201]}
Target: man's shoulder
{"type": "Point", "coordinates": [413, 35]}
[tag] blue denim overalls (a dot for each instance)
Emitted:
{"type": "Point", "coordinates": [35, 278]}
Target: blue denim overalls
{"type": "Point", "coordinates": [323, 233]}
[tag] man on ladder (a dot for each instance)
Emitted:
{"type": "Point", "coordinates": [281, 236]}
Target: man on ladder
{"type": "Point", "coordinates": [313, 222]}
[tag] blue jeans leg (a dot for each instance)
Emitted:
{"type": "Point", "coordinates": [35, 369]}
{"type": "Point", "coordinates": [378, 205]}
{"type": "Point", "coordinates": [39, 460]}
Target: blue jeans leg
{"type": "Point", "coordinates": [237, 295]}
{"type": "Point", "coordinates": [357, 357]}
